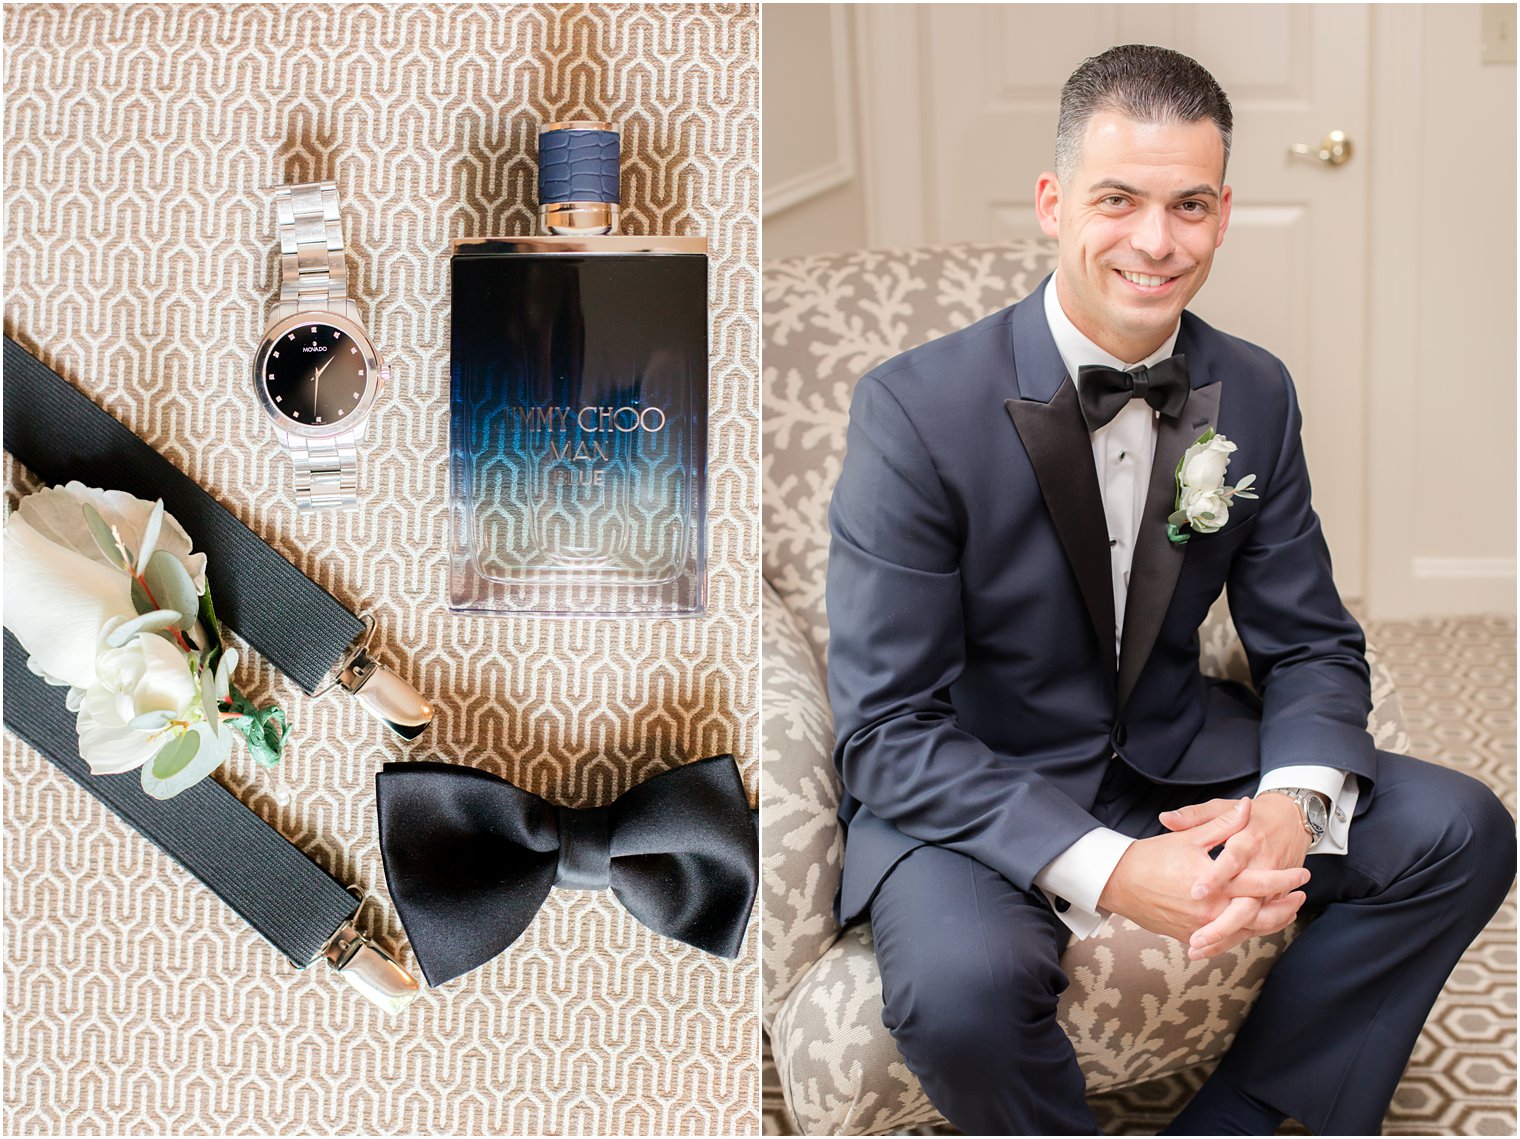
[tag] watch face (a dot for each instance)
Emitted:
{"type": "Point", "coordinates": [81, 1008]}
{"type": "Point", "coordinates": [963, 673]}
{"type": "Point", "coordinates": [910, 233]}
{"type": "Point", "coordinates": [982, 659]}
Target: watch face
{"type": "Point", "coordinates": [316, 374]}
{"type": "Point", "coordinates": [1314, 811]}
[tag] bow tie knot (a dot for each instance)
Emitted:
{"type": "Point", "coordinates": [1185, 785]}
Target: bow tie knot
{"type": "Point", "coordinates": [585, 849]}
{"type": "Point", "coordinates": [1104, 392]}
{"type": "Point", "coordinates": [470, 858]}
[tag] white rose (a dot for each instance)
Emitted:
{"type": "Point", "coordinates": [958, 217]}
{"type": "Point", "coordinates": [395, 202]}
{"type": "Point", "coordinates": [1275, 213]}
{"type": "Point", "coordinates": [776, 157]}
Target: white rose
{"type": "Point", "coordinates": [56, 513]}
{"type": "Point", "coordinates": [143, 696]}
{"type": "Point", "coordinates": [1204, 464]}
{"type": "Point", "coordinates": [1206, 510]}
{"type": "Point", "coordinates": [57, 601]}
{"type": "Point", "coordinates": [60, 589]}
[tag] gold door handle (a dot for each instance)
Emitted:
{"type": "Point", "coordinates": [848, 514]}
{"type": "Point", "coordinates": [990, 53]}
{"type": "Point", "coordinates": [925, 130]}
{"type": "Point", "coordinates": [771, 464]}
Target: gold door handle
{"type": "Point", "coordinates": [1334, 149]}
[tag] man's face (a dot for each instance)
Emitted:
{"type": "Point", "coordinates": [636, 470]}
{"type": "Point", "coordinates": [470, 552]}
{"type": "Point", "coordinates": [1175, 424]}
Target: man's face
{"type": "Point", "coordinates": [1137, 227]}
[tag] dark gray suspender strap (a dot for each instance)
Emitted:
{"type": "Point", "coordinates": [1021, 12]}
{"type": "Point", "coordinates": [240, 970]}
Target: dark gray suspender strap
{"type": "Point", "coordinates": [302, 910]}
{"type": "Point", "coordinates": [279, 891]}
{"type": "Point", "coordinates": [60, 434]}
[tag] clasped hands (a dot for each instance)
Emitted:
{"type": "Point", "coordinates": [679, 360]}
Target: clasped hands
{"type": "Point", "coordinates": [1170, 885]}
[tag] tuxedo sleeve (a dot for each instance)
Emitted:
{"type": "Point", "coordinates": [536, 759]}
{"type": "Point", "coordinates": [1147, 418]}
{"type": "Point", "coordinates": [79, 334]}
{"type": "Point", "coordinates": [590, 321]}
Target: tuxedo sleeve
{"type": "Point", "coordinates": [1307, 654]}
{"type": "Point", "coordinates": [897, 644]}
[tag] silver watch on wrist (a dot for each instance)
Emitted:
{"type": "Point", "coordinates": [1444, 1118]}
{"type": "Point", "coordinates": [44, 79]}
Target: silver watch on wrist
{"type": "Point", "coordinates": [316, 370]}
{"type": "Point", "coordinates": [1311, 805]}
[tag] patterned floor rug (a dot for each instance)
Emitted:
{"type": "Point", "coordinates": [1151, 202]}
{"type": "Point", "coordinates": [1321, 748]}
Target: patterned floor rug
{"type": "Point", "coordinates": [1456, 677]}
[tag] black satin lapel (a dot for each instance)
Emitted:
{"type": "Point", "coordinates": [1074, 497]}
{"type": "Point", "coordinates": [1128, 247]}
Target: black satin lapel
{"type": "Point", "coordinates": [1060, 449]}
{"type": "Point", "coordinates": [1158, 560]}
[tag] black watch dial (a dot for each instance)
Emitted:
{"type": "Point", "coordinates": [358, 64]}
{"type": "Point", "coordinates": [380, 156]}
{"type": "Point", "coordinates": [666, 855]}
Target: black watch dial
{"type": "Point", "coordinates": [315, 374]}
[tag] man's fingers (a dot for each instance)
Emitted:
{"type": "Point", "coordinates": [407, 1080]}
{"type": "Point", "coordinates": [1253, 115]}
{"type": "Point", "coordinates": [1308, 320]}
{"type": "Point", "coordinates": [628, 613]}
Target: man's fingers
{"type": "Point", "coordinates": [1278, 913]}
{"type": "Point", "coordinates": [1231, 821]}
{"type": "Point", "coordinates": [1231, 861]}
{"type": "Point", "coordinates": [1258, 883]}
{"type": "Point", "coordinates": [1186, 818]}
{"type": "Point", "coordinates": [1196, 954]}
{"type": "Point", "coordinates": [1269, 918]}
{"type": "Point", "coordinates": [1238, 915]}
{"type": "Point", "coordinates": [1238, 853]}
{"type": "Point", "coordinates": [1274, 884]}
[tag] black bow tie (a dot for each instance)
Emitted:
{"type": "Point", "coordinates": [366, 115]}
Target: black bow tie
{"type": "Point", "coordinates": [470, 858]}
{"type": "Point", "coordinates": [1105, 391]}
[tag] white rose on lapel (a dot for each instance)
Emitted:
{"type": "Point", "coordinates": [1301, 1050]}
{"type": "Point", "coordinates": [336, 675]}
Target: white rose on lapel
{"type": "Point", "coordinates": [1204, 463]}
{"type": "Point", "coordinates": [1206, 510]}
{"type": "Point", "coordinates": [1203, 501]}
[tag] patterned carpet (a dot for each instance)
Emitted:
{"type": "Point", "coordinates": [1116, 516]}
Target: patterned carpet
{"type": "Point", "coordinates": [1456, 678]}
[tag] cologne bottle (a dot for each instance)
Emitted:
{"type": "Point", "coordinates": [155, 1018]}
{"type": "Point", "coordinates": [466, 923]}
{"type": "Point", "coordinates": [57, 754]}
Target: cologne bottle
{"type": "Point", "coordinates": [578, 407]}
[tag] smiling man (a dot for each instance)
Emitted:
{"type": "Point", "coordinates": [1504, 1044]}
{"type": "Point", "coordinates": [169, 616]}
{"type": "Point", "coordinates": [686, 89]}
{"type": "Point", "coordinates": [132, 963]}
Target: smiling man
{"type": "Point", "coordinates": [1034, 517]}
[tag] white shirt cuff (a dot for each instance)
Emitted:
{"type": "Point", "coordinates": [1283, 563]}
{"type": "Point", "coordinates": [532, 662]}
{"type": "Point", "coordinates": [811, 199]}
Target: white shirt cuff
{"type": "Point", "coordinates": [1077, 877]}
{"type": "Point", "coordinates": [1339, 787]}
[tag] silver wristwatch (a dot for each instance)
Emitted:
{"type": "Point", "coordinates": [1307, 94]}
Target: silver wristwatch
{"type": "Point", "coordinates": [1311, 805]}
{"type": "Point", "coordinates": [316, 371]}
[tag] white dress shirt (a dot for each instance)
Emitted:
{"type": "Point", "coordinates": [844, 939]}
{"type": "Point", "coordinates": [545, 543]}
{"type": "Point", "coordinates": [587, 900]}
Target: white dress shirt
{"type": "Point", "coordinates": [1123, 453]}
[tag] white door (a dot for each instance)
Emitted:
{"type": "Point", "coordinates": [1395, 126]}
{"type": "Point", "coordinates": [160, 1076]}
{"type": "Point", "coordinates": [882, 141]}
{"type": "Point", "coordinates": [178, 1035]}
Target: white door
{"type": "Point", "coordinates": [1290, 276]}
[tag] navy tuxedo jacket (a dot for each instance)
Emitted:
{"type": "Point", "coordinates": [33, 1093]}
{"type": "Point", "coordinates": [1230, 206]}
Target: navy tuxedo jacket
{"type": "Point", "coordinates": [976, 694]}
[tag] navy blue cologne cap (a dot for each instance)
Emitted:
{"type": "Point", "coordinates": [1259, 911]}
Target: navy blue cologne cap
{"type": "Point", "coordinates": [578, 167]}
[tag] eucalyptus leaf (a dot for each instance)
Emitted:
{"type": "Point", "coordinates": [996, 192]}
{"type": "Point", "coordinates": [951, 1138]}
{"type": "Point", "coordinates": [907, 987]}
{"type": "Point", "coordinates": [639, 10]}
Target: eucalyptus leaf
{"type": "Point", "coordinates": [150, 721]}
{"type": "Point", "coordinates": [151, 622]}
{"type": "Point", "coordinates": [208, 701]}
{"type": "Point", "coordinates": [224, 669]}
{"type": "Point", "coordinates": [170, 584]}
{"type": "Point", "coordinates": [174, 756]}
{"type": "Point", "coordinates": [1177, 519]}
{"type": "Point", "coordinates": [150, 535]}
{"type": "Point", "coordinates": [208, 616]}
{"type": "Point", "coordinates": [104, 536]}
{"type": "Point", "coordinates": [197, 754]}
{"type": "Point", "coordinates": [140, 599]}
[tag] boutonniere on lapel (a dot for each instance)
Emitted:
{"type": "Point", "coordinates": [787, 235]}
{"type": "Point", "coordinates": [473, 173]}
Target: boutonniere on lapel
{"type": "Point", "coordinates": [1203, 501]}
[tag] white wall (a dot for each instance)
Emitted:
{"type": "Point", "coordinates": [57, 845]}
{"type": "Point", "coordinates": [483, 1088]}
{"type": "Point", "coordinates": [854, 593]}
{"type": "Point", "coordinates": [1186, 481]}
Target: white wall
{"type": "Point", "coordinates": [813, 198]}
{"type": "Point", "coordinates": [1441, 404]}
{"type": "Point", "coordinates": [1439, 505]}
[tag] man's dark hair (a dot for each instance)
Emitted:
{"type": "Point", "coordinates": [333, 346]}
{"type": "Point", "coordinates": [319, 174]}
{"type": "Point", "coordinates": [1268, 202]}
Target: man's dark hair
{"type": "Point", "coordinates": [1147, 84]}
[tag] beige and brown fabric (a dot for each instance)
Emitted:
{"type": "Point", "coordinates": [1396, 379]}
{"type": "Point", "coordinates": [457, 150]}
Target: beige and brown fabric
{"type": "Point", "coordinates": [140, 262]}
{"type": "Point", "coordinates": [1136, 1006]}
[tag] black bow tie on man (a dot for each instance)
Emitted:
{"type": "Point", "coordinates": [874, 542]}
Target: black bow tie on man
{"type": "Point", "coordinates": [1104, 392]}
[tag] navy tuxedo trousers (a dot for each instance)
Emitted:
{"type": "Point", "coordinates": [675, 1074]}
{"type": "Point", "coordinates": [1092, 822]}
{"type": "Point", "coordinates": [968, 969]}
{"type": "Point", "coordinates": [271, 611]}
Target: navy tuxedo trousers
{"type": "Point", "coordinates": [971, 975]}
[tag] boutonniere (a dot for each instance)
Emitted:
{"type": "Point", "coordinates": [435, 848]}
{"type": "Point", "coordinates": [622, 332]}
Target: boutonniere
{"type": "Point", "coordinates": [1203, 501]}
{"type": "Point", "coordinates": [107, 598]}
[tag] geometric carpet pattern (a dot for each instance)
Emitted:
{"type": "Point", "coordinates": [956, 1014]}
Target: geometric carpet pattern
{"type": "Point", "coordinates": [1456, 679]}
{"type": "Point", "coordinates": [141, 264]}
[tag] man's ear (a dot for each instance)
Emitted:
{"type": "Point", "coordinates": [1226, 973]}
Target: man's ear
{"type": "Point", "coordinates": [1047, 204]}
{"type": "Point", "coordinates": [1225, 196]}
